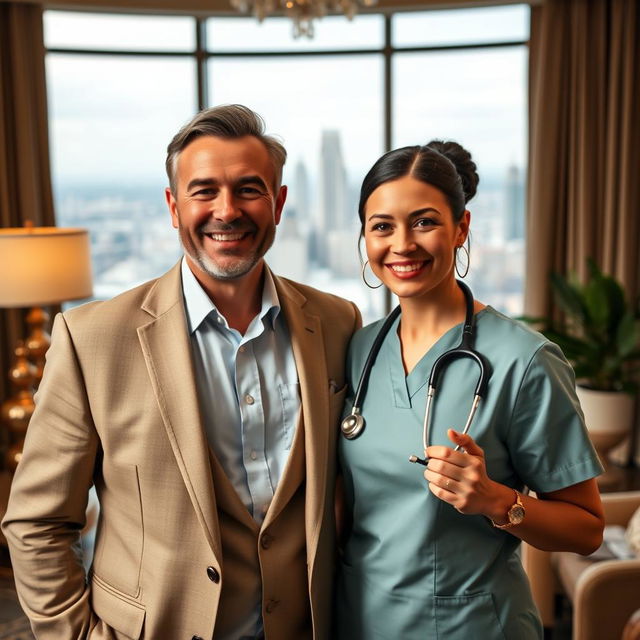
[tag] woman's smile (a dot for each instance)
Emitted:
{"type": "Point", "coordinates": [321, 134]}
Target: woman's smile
{"type": "Point", "coordinates": [407, 270]}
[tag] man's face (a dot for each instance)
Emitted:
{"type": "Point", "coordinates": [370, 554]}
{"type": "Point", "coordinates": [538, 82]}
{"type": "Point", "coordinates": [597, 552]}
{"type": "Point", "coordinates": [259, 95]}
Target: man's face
{"type": "Point", "coordinates": [225, 207]}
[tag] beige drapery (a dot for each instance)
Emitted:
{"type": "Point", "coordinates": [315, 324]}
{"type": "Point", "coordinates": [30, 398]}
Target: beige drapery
{"type": "Point", "coordinates": [25, 183]}
{"type": "Point", "coordinates": [584, 143]}
{"type": "Point", "coordinates": [584, 147]}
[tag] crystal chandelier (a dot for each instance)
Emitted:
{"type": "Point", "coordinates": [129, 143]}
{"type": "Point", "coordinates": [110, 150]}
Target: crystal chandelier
{"type": "Point", "coordinates": [302, 12]}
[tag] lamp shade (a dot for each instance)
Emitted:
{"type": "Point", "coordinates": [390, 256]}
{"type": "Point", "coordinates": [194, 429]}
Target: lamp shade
{"type": "Point", "coordinates": [43, 265]}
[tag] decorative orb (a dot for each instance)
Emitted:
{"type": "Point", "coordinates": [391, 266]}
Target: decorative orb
{"type": "Point", "coordinates": [16, 412]}
{"type": "Point", "coordinates": [22, 372]}
{"type": "Point", "coordinates": [14, 455]}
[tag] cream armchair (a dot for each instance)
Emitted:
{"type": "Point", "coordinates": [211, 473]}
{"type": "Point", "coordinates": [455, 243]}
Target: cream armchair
{"type": "Point", "coordinates": [603, 594]}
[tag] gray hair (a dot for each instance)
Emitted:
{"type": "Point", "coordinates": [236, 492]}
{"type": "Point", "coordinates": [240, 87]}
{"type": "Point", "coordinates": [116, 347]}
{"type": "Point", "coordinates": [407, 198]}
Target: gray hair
{"type": "Point", "coordinates": [225, 121]}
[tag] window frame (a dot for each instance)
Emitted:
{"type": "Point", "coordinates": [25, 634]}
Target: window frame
{"type": "Point", "coordinates": [204, 57]}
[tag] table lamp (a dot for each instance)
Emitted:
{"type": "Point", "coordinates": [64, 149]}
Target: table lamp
{"type": "Point", "coordinates": [38, 266]}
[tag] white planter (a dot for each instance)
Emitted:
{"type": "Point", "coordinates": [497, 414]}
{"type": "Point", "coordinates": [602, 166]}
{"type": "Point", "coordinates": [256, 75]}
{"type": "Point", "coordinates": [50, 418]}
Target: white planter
{"type": "Point", "coordinates": [609, 419]}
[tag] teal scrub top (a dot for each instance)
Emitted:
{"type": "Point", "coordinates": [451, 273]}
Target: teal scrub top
{"type": "Point", "coordinates": [413, 566]}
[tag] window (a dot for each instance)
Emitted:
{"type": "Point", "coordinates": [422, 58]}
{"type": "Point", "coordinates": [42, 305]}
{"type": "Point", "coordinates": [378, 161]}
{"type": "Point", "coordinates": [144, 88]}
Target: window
{"type": "Point", "coordinates": [470, 97]}
{"type": "Point", "coordinates": [111, 117]}
{"type": "Point", "coordinates": [121, 85]}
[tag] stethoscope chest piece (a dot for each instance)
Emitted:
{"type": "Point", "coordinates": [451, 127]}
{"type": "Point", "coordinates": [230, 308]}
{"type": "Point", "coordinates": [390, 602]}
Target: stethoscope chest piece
{"type": "Point", "coordinates": [352, 426]}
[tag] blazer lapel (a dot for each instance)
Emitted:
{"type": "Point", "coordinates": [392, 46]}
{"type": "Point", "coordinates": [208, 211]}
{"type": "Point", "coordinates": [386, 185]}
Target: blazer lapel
{"type": "Point", "coordinates": [308, 350]}
{"type": "Point", "coordinates": [167, 353]}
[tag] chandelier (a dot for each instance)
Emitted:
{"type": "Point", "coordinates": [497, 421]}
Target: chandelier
{"type": "Point", "coordinates": [302, 12]}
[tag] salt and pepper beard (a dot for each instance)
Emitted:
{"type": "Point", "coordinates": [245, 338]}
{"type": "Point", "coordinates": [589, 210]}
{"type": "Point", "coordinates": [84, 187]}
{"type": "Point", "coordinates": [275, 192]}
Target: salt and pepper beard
{"type": "Point", "coordinates": [244, 264]}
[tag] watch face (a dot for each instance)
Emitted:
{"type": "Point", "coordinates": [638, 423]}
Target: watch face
{"type": "Point", "coordinates": [516, 514]}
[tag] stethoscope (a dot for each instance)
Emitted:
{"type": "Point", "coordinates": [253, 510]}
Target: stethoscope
{"type": "Point", "coordinates": [353, 425]}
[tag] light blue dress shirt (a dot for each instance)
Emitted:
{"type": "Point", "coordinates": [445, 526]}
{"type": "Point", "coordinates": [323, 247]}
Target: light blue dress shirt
{"type": "Point", "coordinates": [248, 391]}
{"type": "Point", "coordinates": [249, 396]}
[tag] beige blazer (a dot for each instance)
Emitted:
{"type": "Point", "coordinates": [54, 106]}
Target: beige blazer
{"type": "Point", "coordinates": [118, 408]}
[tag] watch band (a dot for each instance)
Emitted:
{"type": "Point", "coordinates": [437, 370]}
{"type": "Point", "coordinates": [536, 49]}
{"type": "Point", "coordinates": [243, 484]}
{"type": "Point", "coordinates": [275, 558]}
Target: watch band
{"type": "Point", "coordinates": [515, 514]}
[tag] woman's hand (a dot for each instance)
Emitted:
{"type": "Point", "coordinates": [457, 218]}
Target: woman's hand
{"type": "Point", "coordinates": [460, 478]}
{"type": "Point", "coordinates": [568, 519]}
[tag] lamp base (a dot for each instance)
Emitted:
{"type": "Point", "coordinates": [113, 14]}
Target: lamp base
{"type": "Point", "coordinates": [16, 411]}
{"type": "Point", "coordinates": [38, 340]}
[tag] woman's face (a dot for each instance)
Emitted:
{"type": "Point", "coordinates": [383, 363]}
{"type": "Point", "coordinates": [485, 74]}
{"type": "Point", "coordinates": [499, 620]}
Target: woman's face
{"type": "Point", "coordinates": [410, 236]}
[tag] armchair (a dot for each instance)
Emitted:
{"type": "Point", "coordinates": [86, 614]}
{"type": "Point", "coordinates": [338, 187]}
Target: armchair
{"type": "Point", "coordinates": [603, 593]}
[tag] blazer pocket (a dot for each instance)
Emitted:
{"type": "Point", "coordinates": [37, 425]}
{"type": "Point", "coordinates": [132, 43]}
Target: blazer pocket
{"type": "Point", "coordinates": [290, 400]}
{"type": "Point", "coordinates": [336, 402]}
{"type": "Point", "coordinates": [123, 618]}
{"type": "Point", "coordinates": [120, 535]}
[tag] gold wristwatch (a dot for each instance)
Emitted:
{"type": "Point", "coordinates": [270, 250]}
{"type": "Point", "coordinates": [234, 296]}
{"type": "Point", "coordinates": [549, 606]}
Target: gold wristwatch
{"type": "Point", "coordinates": [515, 514]}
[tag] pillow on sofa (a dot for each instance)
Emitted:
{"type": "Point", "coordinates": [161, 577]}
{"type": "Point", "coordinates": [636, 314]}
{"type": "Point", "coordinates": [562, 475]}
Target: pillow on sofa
{"type": "Point", "coordinates": [614, 545]}
{"type": "Point", "coordinates": [632, 534]}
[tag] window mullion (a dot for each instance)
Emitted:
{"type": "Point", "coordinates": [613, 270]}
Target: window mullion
{"type": "Point", "coordinates": [201, 62]}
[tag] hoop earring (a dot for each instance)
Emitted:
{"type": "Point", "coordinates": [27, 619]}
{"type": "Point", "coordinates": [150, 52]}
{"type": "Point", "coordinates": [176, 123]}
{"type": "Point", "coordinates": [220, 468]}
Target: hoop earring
{"type": "Point", "coordinates": [466, 271]}
{"type": "Point", "coordinates": [364, 279]}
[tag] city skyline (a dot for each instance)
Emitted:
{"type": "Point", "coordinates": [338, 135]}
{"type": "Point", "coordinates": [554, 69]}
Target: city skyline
{"type": "Point", "coordinates": [132, 238]}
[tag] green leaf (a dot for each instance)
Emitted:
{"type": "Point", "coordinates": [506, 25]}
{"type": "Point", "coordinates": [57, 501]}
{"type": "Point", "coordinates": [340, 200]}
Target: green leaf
{"type": "Point", "coordinates": [627, 335]}
{"type": "Point", "coordinates": [601, 336]}
{"type": "Point", "coordinates": [607, 293]}
{"type": "Point", "coordinates": [569, 297]}
{"type": "Point", "coordinates": [595, 296]}
{"type": "Point", "coordinates": [593, 268]}
{"type": "Point", "coordinates": [571, 346]}
{"type": "Point", "coordinates": [615, 301]}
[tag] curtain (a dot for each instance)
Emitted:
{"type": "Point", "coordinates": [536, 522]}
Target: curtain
{"type": "Point", "coordinates": [584, 145]}
{"type": "Point", "coordinates": [25, 182]}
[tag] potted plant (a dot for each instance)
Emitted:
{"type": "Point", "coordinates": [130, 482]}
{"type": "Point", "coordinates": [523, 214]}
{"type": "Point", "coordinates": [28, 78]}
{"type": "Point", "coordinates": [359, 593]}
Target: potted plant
{"type": "Point", "coordinates": [600, 336]}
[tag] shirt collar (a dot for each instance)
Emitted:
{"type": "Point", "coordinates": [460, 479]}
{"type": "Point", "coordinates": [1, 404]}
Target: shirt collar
{"type": "Point", "coordinates": [198, 305]}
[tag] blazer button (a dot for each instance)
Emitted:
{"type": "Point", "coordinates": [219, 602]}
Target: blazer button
{"type": "Point", "coordinates": [213, 575]}
{"type": "Point", "coordinates": [266, 540]}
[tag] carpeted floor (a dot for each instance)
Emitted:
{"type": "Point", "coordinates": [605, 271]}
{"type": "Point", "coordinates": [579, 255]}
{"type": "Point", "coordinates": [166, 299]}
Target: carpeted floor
{"type": "Point", "coordinates": [13, 623]}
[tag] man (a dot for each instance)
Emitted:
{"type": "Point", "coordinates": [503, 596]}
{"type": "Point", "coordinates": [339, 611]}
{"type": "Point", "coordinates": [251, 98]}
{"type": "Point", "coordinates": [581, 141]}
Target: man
{"type": "Point", "coordinates": [204, 407]}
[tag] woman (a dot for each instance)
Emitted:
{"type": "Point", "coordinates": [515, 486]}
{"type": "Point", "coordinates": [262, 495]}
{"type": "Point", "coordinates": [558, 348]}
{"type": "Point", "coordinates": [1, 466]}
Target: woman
{"type": "Point", "coordinates": [432, 552]}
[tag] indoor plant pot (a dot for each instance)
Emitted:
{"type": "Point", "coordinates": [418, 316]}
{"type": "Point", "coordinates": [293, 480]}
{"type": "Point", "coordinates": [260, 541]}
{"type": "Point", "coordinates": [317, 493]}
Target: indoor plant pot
{"type": "Point", "coordinates": [600, 336]}
{"type": "Point", "coordinates": [609, 419]}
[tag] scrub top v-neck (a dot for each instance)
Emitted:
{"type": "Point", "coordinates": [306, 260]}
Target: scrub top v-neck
{"type": "Point", "coordinates": [413, 566]}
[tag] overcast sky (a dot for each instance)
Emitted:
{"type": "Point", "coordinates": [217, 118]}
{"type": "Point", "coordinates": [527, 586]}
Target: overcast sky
{"type": "Point", "coordinates": [112, 117]}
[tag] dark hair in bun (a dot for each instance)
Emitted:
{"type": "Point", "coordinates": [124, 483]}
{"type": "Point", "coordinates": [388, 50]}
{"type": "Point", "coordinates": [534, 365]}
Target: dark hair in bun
{"type": "Point", "coordinates": [445, 165]}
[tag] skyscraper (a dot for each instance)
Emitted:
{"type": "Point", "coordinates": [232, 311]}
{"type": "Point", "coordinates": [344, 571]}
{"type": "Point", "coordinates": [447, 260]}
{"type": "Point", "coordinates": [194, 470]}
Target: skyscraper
{"type": "Point", "coordinates": [514, 211]}
{"type": "Point", "coordinates": [332, 195]}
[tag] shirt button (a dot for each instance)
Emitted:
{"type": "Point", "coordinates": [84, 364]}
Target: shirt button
{"type": "Point", "coordinates": [271, 605]}
{"type": "Point", "coordinates": [253, 455]}
{"type": "Point", "coordinates": [249, 399]}
{"type": "Point", "coordinates": [213, 575]}
{"type": "Point", "coordinates": [220, 320]}
{"type": "Point", "coordinates": [266, 540]}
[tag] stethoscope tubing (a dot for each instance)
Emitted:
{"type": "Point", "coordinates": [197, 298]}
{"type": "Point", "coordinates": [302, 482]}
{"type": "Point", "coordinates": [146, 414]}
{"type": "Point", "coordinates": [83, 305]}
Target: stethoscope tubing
{"type": "Point", "coordinates": [353, 425]}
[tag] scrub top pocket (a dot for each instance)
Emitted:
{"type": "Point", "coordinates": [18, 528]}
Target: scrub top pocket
{"type": "Point", "coordinates": [459, 617]}
{"type": "Point", "coordinates": [366, 610]}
